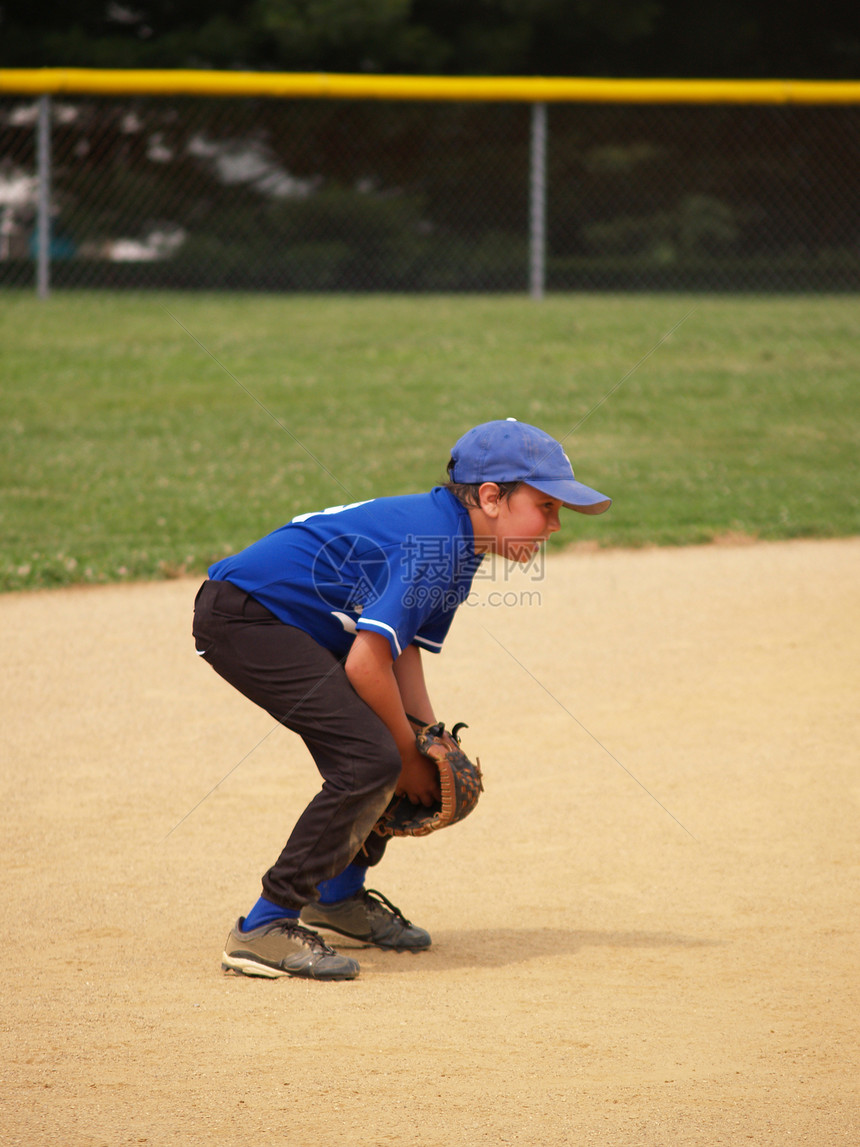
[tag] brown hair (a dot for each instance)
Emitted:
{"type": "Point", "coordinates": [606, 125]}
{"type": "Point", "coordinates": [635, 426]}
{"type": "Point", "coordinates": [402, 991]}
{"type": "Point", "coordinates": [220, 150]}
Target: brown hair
{"type": "Point", "coordinates": [466, 493]}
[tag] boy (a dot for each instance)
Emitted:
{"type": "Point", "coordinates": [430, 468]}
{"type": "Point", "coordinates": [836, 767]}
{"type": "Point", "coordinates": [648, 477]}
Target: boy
{"type": "Point", "coordinates": [322, 623]}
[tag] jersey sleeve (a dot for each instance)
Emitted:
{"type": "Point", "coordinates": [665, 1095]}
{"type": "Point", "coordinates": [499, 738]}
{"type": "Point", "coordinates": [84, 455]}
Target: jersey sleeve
{"type": "Point", "coordinates": [418, 606]}
{"type": "Point", "coordinates": [433, 632]}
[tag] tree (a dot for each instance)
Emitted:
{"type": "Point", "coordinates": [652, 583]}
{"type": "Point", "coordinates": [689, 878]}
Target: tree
{"type": "Point", "coordinates": [732, 38]}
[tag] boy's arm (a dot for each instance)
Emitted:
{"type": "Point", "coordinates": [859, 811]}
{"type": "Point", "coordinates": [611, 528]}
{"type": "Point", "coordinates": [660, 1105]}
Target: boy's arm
{"type": "Point", "coordinates": [370, 669]}
{"type": "Point", "coordinates": [409, 674]}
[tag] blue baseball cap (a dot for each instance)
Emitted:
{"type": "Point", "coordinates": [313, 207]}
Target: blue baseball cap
{"type": "Point", "coordinates": [511, 451]}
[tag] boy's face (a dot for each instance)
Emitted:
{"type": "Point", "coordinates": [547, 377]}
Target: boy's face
{"type": "Point", "coordinates": [522, 522]}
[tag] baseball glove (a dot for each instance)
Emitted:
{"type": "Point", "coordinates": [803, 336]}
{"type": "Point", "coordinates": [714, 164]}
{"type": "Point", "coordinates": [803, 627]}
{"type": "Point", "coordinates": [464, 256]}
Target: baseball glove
{"type": "Point", "coordinates": [459, 780]}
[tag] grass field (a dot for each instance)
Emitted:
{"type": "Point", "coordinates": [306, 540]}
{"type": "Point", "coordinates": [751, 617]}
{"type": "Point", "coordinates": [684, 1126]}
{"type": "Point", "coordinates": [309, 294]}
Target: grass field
{"type": "Point", "coordinates": [144, 435]}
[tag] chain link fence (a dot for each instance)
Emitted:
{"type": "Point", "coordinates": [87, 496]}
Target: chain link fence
{"type": "Point", "coordinates": [339, 195]}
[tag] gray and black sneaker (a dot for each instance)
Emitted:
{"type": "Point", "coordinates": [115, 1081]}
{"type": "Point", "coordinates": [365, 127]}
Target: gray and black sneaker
{"type": "Point", "coordinates": [284, 948]}
{"type": "Point", "coordinates": [370, 917]}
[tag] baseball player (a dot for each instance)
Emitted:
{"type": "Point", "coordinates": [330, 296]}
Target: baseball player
{"type": "Point", "coordinates": [323, 623]}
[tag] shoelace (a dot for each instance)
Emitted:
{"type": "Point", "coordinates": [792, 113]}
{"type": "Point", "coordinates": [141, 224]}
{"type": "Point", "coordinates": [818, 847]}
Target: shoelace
{"type": "Point", "coordinates": [309, 937]}
{"type": "Point", "coordinates": [372, 894]}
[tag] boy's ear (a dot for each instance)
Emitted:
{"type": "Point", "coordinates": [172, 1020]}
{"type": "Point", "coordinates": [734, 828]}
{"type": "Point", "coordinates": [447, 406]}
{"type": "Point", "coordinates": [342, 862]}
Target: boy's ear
{"type": "Point", "coordinates": [489, 498]}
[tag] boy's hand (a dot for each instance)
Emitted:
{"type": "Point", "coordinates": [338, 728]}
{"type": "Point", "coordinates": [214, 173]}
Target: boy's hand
{"type": "Point", "coordinates": [422, 806]}
{"type": "Point", "coordinates": [419, 779]}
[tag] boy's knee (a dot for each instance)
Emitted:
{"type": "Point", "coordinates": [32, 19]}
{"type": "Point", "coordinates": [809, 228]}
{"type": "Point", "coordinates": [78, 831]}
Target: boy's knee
{"type": "Point", "coordinates": [387, 767]}
{"type": "Point", "coordinates": [377, 760]}
{"type": "Point", "coordinates": [365, 770]}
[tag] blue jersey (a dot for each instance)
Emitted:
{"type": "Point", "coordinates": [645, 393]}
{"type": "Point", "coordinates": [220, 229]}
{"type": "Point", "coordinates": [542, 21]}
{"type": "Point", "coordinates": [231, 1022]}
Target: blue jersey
{"type": "Point", "coordinates": [396, 566]}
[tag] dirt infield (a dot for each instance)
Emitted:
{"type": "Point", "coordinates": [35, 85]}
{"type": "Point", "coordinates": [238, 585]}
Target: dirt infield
{"type": "Point", "coordinates": [646, 934]}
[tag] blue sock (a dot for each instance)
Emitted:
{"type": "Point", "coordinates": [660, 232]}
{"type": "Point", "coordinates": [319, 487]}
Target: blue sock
{"type": "Point", "coordinates": [264, 912]}
{"type": "Point", "coordinates": [350, 881]}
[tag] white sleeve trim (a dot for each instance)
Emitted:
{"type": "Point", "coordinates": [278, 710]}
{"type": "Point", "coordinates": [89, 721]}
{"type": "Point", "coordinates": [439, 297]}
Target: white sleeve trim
{"type": "Point", "coordinates": [426, 643]}
{"type": "Point", "coordinates": [364, 622]}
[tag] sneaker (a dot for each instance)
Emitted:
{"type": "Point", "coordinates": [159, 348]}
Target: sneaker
{"type": "Point", "coordinates": [284, 948]}
{"type": "Point", "coordinates": [368, 916]}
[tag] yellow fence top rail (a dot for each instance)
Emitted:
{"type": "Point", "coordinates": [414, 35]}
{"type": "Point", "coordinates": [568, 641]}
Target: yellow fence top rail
{"type": "Point", "coordinates": [301, 85]}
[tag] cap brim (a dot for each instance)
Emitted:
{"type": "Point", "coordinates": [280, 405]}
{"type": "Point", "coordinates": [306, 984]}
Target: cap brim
{"type": "Point", "coordinates": [574, 495]}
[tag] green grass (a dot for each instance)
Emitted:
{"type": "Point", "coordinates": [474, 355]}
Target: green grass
{"type": "Point", "coordinates": [128, 451]}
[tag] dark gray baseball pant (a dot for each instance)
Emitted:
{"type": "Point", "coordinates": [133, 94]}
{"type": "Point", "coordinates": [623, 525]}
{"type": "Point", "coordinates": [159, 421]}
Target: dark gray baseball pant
{"type": "Point", "coordinates": [304, 687]}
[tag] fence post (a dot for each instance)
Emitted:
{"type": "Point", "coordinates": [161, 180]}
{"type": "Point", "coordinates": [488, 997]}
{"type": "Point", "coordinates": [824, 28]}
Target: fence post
{"type": "Point", "coordinates": [43, 208]}
{"type": "Point", "coordinates": [537, 203]}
